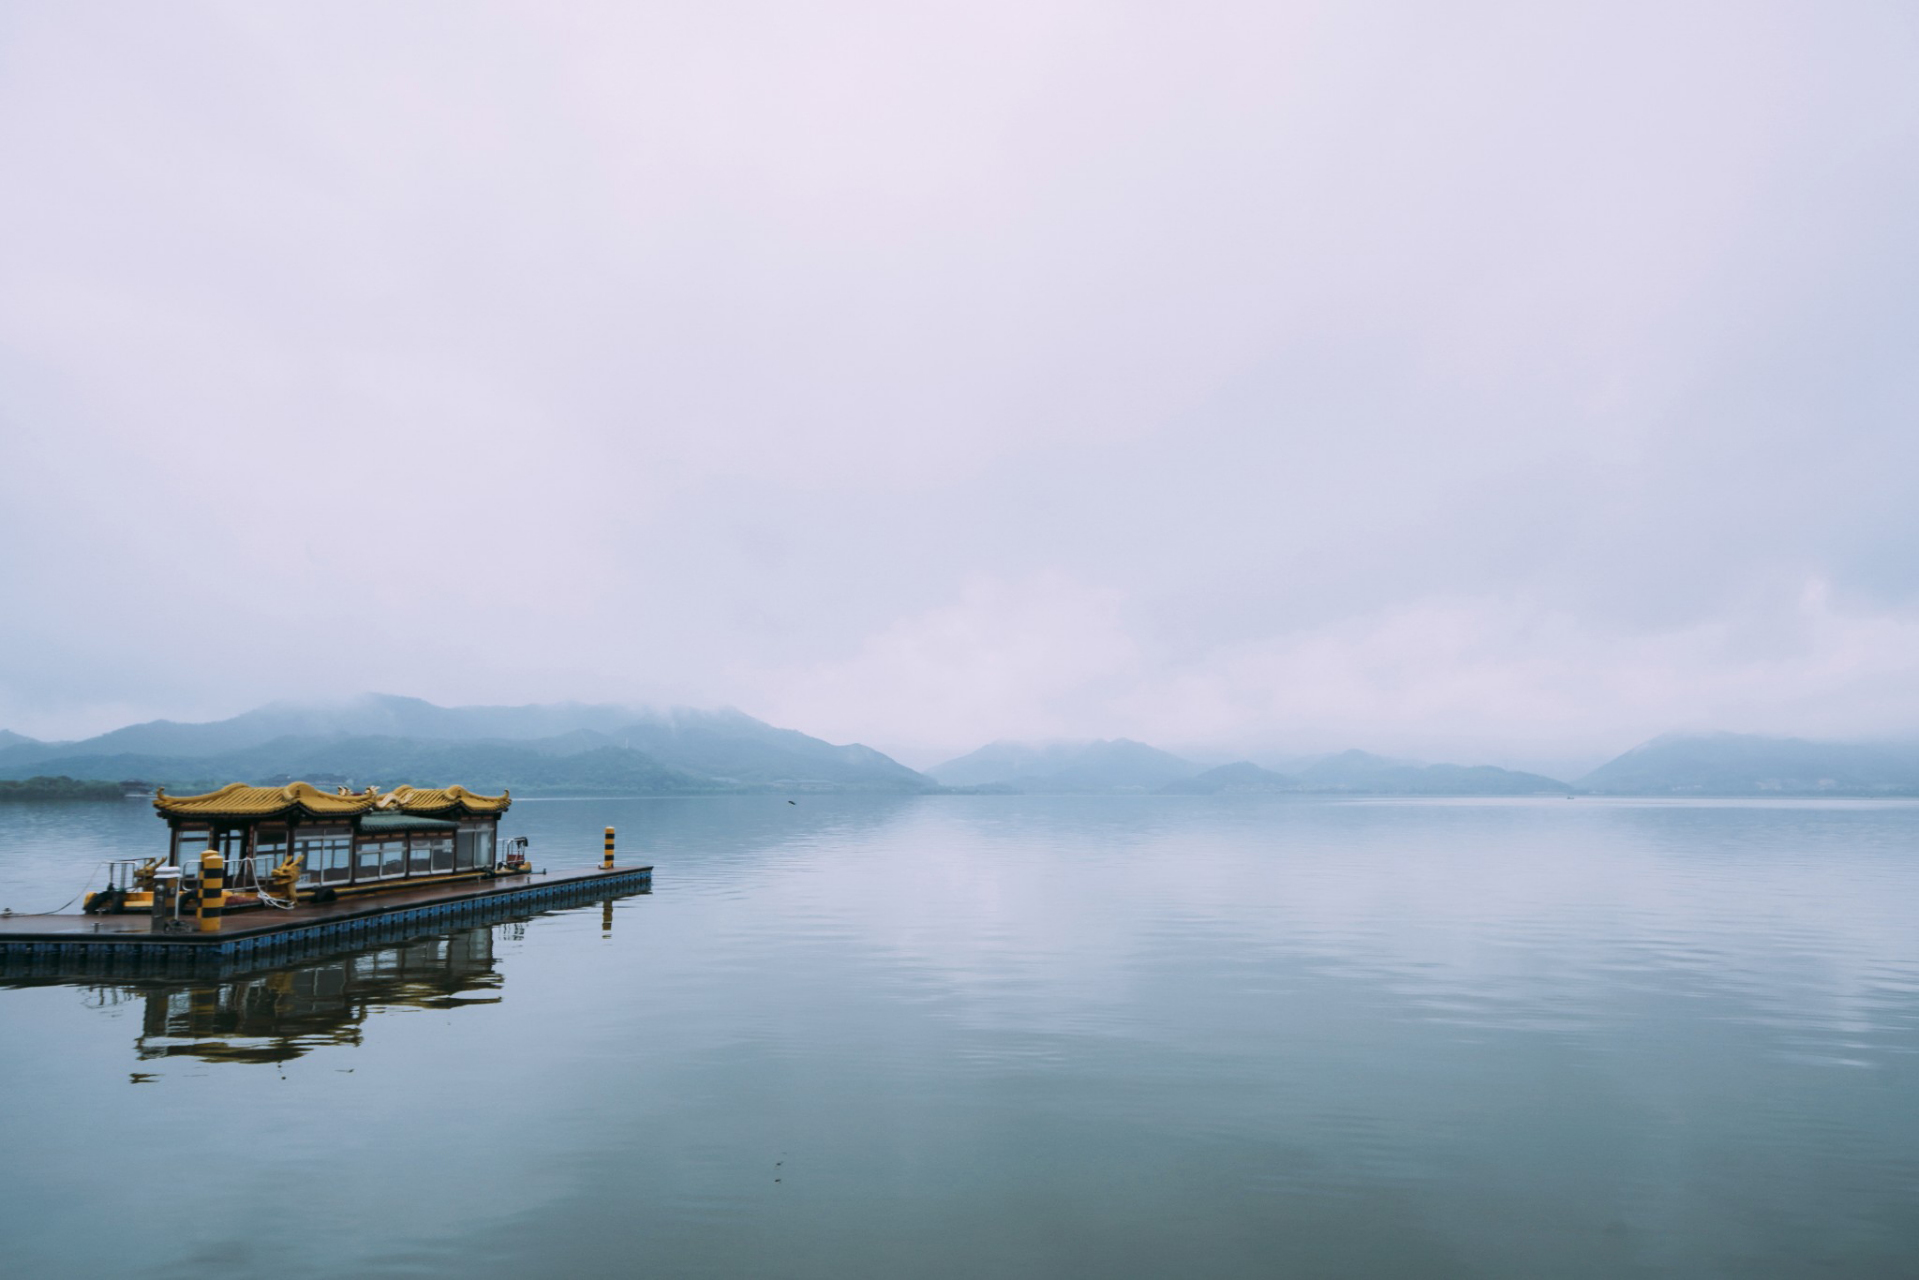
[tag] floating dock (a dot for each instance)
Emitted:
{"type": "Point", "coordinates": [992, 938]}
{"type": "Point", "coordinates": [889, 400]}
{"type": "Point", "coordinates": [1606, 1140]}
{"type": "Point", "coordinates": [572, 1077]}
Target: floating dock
{"type": "Point", "coordinates": [132, 940]}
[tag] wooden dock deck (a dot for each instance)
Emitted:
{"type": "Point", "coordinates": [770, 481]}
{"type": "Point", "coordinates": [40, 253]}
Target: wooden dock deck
{"type": "Point", "coordinates": [266, 930]}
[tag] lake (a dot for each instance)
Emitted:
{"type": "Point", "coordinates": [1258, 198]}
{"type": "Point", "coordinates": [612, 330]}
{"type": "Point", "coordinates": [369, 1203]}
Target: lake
{"type": "Point", "coordinates": [1022, 1036]}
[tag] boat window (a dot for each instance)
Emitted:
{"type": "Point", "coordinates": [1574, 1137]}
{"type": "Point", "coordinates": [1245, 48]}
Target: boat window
{"type": "Point", "coordinates": [421, 860]}
{"type": "Point", "coordinates": [188, 844]}
{"type": "Point", "coordinates": [483, 849]}
{"type": "Point", "coordinates": [381, 858]}
{"type": "Point", "coordinates": [325, 852]}
{"type": "Point", "coordinates": [338, 865]}
{"type": "Point", "coordinates": [440, 847]}
{"type": "Point", "coordinates": [463, 849]}
{"type": "Point", "coordinates": [336, 858]}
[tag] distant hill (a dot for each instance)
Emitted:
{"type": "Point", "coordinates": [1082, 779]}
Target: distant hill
{"type": "Point", "coordinates": [1730, 764]}
{"type": "Point", "coordinates": [734, 747]}
{"type": "Point", "coordinates": [573, 747]}
{"type": "Point", "coordinates": [370, 715]}
{"type": "Point", "coordinates": [588, 748]}
{"type": "Point", "coordinates": [1362, 773]}
{"type": "Point", "coordinates": [1123, 765]}
{"type": "Point", "coordinates": [360, 762]}
{"type": "Point", "coordinates": [59, 789]}
{"type": "Point", "coordinates": [1243, 778]}
{"type": "Point", "coordinates": [1118, 764]}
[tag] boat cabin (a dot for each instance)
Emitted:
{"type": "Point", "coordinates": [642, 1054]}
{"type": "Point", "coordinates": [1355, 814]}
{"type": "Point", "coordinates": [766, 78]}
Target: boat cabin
{"type": "Point", "coordinates": [345, 841]}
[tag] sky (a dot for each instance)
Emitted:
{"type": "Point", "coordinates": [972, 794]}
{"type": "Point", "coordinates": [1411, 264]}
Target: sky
{"type": "Point", "coordinates": [1499, 381]}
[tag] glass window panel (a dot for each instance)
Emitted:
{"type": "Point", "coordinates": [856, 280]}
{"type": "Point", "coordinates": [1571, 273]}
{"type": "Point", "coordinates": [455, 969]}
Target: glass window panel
{"type": "Point", "coordinates": [338, 865]}
{"type": "Point", "coordinates": [188, 844]}
{"type": "Point", "coordinates": [317, 847]}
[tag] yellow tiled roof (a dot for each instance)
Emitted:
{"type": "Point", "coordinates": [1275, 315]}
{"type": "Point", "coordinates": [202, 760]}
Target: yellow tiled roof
{"type": "Point", "coordinates": [237, 800]}
{"type": "Point", "coordinates": [441, 799]}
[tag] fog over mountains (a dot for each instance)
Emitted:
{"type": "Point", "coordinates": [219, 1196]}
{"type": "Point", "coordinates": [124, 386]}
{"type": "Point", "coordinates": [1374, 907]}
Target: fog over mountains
{"type": "Point", "coordinates": [1362, 773]}
{"type": "Point", "coordinates": [1066, 766]}
{"type": "Point", "coordinates": [601, 748]}
{"type": "Point", "coordinates": [562, 747]}
{"type": "Point", "coordinates": [1742, 764]}
{"type": "Point", "coordinates": [1120, 766]}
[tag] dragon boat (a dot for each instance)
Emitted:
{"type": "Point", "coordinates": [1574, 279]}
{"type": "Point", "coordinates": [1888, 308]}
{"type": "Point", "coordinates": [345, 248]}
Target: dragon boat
{"type": "Point", "coordinates": [280, 846]}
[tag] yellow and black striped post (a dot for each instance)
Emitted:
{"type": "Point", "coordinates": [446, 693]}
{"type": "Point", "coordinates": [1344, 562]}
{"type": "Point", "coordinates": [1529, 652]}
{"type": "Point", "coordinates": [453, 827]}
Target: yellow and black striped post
{"type": "Point", "coordinates": [606, 863]}
{"type": "Point", "coordinates": [213, 890]}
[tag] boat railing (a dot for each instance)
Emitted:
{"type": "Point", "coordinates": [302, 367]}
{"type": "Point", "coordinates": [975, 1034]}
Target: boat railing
{"type": "Point", "coordinates": [121, 871]}
{"type": "Point", "coordinates": [124, 874]}
{"type": "Point", "coordinates": [254, 873]}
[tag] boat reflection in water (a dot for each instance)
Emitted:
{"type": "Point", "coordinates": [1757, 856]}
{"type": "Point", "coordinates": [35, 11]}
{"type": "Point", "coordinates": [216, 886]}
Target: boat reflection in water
{"type": "Point", "coordinates": [274, 1014]}
{"type": "Point", "coordinates": [279, 1015]}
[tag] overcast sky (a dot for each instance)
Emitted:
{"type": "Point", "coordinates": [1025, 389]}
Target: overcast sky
{"type": "Point", "coordinates": [1512, 381]}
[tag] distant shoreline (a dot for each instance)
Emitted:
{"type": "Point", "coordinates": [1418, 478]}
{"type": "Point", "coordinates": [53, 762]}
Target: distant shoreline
{"type": "Point", "coordinates": [60, 788]}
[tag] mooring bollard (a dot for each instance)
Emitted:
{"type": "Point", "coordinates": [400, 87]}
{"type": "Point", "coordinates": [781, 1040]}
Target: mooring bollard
{"type": "Point", "coordinates": [213, 891]}
{"type": "Point", "coordinates": [606, 863]}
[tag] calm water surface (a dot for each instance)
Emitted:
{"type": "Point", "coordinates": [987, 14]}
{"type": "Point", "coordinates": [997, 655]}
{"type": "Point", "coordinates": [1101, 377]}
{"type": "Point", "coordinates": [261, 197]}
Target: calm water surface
{"type": "Point", "coordinates": [1021, 1036]}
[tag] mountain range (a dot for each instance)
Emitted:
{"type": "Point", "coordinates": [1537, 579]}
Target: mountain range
{"type": "Point", "coordinates": [1118, 764]}
{"type": "Point", "coordinates": [1722, 764]}
{"type": "Point", "coordinates": [1730, 764]}
{"type": "Point", "coordinates": [383, 739]}
{"type": "Point", "coordinates": [1362, 773]}
{"type": "Point", "coordinates": [1121, 765]}
{"type": "Point", "coordinates": [574, 747]}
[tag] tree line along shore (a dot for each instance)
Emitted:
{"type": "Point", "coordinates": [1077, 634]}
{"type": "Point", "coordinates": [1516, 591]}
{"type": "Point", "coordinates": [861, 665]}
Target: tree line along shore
{"type": "Point", "coordinates": [65, 788]}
